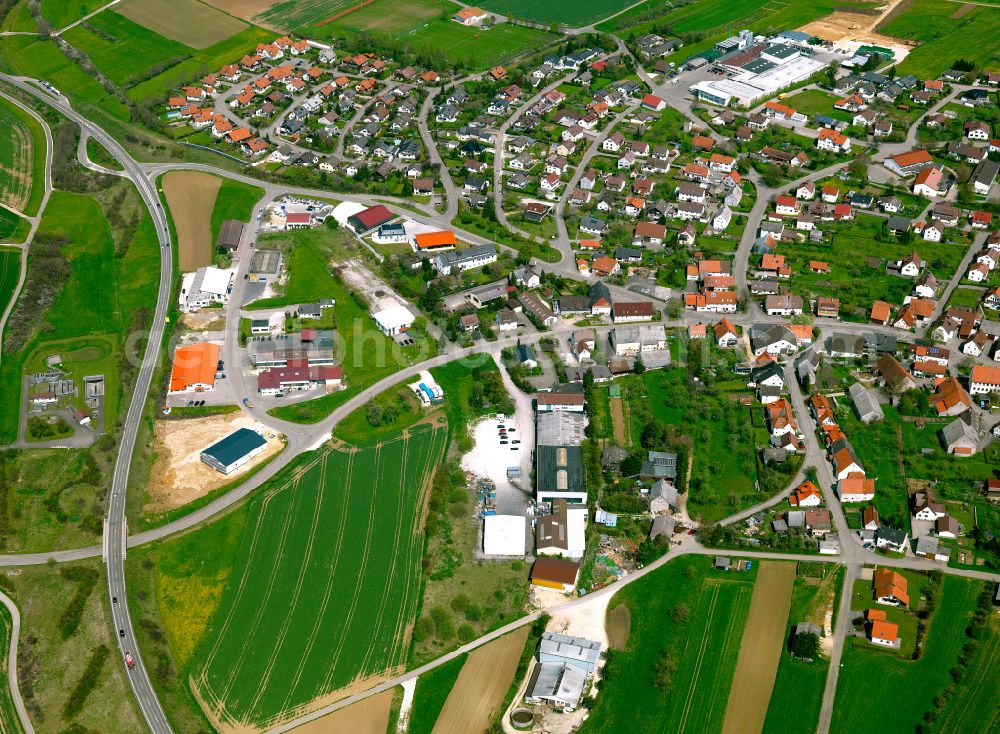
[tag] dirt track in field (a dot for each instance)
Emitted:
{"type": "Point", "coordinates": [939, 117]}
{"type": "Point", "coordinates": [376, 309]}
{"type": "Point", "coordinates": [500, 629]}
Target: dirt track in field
{"type": "Point", "coordinates": [191, 198]}
{"type": "Point", "coordinates": [619, 626]}
{"type": "Point", "coordinates": [760, 651]}
{"type": "Point", "coordinates": [481, 685]}
{"type": "Point", "coordinates": [370, 716]}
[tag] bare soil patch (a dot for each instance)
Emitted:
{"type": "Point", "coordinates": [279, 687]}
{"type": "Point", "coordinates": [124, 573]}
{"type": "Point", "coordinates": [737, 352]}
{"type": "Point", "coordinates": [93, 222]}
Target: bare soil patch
{"type": "Point", "coordinates": [370, 716]}
{"type": "Point", "coordinates": [844, 25]}
{"type": "Point", "coordinates": [962, 10]}
{"type": "Point", "coordinates": [191, 198]}
{"type": "Point", "coordinates": [178, 475]}
{"type": "Point", "coordinates": [619, 626]}
{"type": "Point", "coordinates": [190, 22]}
{"type": "Point", "coordinates": [618, 421]}
{"type": "Point", "coordinates": [208, 320]}
{"type": "Point", "coordinates": [760, 651]}
{"type": "Point", "coordinates": [481, 684]}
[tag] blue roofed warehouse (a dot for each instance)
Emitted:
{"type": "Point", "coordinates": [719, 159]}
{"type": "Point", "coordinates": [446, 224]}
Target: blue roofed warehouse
{"type": "Point", "coordinates": [230, 453]}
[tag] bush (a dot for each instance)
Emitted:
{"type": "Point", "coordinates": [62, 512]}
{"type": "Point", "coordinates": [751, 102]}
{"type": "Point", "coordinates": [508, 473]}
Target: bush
{"type": "Point", "coordinates": [87, 682]}
{"type": "Point", "coordinates": [86, 579]}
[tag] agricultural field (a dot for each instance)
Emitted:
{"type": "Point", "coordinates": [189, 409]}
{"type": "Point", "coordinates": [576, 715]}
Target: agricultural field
{"type": "Point", "coordinates": [431, 692]}
{"type": "Point", "coordinates": [482, 682]}
{"type": "Point", "coordinates": [124, 50]}
{"type": "Point", "coordinates": [970, 707]}
{"type": "Point", "coordinates": [798, 688]}
{"type": "Point", "coordinates": [191, 199]}
{"type": "Point", "coordinates": [65, 632]}
{"type": "Point", "coordinates": [566, 12]}
{"type": "Point", "coordinates": [19, 19]}
{"type": "Point", "coordinates": [910, 684]}
{"type": "Point", "coordinates": [22, 160]}
{"type": "Point", "coordinates": [61, 13]}
{"type": "Point", "coordinates": [10, 271]}
{"type": "Point", "coordinates": [320, 553]}
{"type": "Point", "coordinates": [852, 278]}
{"type": "Point", "coordinates": [687, 623]}
{"type": "Point", "coordinates": [757, 666]}
{"type": "Point", "coordinates": [368, 716]}
{"type": "Point", "coordinates": [424, 26]}
{"type": "Point", "coordinates": [189, 22]}
{"type": "Point", "coordinates": [946, 32]}
{"type": "Point", "coordinates": [13, 228]}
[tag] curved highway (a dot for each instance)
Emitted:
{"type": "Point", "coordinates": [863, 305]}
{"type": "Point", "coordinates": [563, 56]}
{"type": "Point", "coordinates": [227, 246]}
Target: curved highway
{"type": "Point", "coordinates": [115, 526]}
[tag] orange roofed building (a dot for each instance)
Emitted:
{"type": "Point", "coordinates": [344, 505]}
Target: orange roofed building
{"type": "Point", "coordinates": [427, 241]}
{"type": "Point", "coordinates": [194, 368]}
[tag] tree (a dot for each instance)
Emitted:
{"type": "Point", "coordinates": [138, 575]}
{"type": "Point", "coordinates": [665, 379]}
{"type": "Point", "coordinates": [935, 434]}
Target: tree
{"type": "Point", "coordinates": [374, 414]}
{"type": "Point", "coordinates": [805, 645]}
{"type": "Point", "coordinates": [640, 367]}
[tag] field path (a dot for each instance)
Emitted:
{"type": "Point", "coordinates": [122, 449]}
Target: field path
{"type": "Point", "coordinates": [761, 649]}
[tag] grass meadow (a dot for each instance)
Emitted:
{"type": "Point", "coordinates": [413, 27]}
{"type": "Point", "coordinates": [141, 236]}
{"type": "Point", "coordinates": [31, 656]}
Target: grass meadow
{"type": "Point", "coordinates": [60, 13]}
{"type": "Point", "coordinates": [9, 720]}
{"type": "Point", "coordinates": [22, 160]}
{"type": "Point", "coordinates": [798, 687]}
{"type": "Point", "coordinates": [19, 19]}
{"type": "Point", "coordinates": [687, 614]}
{"type": "Point", "coordinates": [334, 552]}
{"type": "Point", "coordinates": [104, 296]}
{"type": "Point", "coordinates": [10, 271]}
{"type": "Point", "coordinates": [906, 687]}
{"type": "Point", "coordinates": [945, 36]}
{"type": "Point", "coordinates": [28, 56]}
{"type": "Point", "coordinates": [430, 693]}
{"type": "Point", "coordinates": [55, 663]}
{"type": "Point", "coordinates": [234, 200]}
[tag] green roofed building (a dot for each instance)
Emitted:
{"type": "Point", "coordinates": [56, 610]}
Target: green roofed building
{"type": "Point", "coordinates": [230, 453]}
{"type": "Point", "coordinates": [559, 474]}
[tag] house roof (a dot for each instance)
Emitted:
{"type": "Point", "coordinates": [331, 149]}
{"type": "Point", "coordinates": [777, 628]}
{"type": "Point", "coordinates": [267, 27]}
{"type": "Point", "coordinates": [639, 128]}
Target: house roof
{"type": "Point", "coordinates": [555, 569]}
{"type": "Point", "coordinates": [887, 582]}
{"type": "Point", "coordinates": [194, 365]}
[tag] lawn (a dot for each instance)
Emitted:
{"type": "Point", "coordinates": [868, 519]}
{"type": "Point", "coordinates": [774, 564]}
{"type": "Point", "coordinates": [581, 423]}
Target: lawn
{"type": "Point", "coordinates": [568, 12]}
{"type": "Point", "coordinates": [43, 60]}
{"type": "Point", "coordinates": [798, 688]}
{"type": "Point", "coordinates": [852, 279]}
{"type": "Point", "coordinates": [234, 200]}
{"type": "Point", "coordinates": [944, 38]}
{"type": "Point", "coordinates": [690, 618]}
{"type": "Point", "coordinates": [106, 296]}
{"type": "Point", "coordinates": [124, 50]}
{"type": "Point", "coordinates": [814, 102]}
{"type": "Point", "coordinates": [878, 448]}
{"type": "Point", "coordinates": [368, 355]}
{"type": "Point", "coordinates": [321, 553]}
{"type": "Point", "coordinates": [906, 687]}
{"type": "Point", "coordinates": [54, 653]}
{"type": "Point", "coordinates": [357, 428]}
{"type": "Point", "coordinates": [430, 693]}
{"type": "Point", "coordinates": [22, 159]}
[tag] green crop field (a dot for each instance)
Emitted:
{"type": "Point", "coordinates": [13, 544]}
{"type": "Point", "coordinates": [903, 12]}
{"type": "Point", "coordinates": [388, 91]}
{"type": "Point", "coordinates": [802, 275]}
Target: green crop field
{"type": "Point", "coordinates": [693, 617]}
{"type": "Point", "coordinates": [10, 224]}
{"type": "Point", "coordinates": [430, 693]}
{"type": "Point", "coordinates": [945, 36]}
{"type": "Point", "coordinates": [975, 707]}
{"type": "Point", "coordinates": [327, 580]}
{"type": "Point", "coordinates": [567, 12]}
{"type": "Point", "coordinates": [60, 13]}
{"type": "Point", "coordinates": [124, 50]}
{"type": "Point", "coordinates": [19, 19]}
{"type": "Point", "coordinates": [388, 17]}
{"type": "Point", "coordinates": [293, 14]}
{"type": "Point", "coordinates": [22, 161]}
{"type": "Point", "coordinates": [10, 270]}
{"type": "Point", "coordinates": [235, 200]}
{"type": "Point", "coordinates": [906, 687]}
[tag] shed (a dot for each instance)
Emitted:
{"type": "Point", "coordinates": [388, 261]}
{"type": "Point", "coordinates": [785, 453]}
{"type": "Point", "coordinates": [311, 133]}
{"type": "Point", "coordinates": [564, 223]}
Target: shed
{"type": "Point", "coordinates": [230, 453]}
{"type": "Point", "coordinates": [229, 235]}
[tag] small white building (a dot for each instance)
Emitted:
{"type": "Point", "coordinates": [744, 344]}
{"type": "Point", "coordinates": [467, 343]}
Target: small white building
{"type": "Point", "coordinates": [394, 320]}
{"type": "Point", "coordinates": [505, 535]}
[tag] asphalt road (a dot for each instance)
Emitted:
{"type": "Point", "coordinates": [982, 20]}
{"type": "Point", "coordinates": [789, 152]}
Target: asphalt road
{"type": "Point", "coordinates": [115, 525]}
{"type": "Point", "coordinates": [15, 691]}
